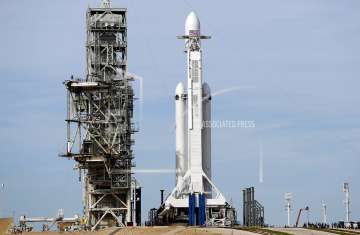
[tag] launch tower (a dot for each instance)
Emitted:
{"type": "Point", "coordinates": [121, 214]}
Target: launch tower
{"type": "Point", "coordinates": [99, 123]}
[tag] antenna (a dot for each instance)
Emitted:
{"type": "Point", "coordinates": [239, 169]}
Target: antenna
{"type": "Point", "coordinates": [106, 3]}
{"type": "Point", "coordinates": [288, 197]}
{"type": "Point", "coordinates": [346, 190]}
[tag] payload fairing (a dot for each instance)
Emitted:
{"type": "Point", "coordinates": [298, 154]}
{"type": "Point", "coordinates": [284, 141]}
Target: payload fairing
{"type": "Point", "coordinates": [194, 187]}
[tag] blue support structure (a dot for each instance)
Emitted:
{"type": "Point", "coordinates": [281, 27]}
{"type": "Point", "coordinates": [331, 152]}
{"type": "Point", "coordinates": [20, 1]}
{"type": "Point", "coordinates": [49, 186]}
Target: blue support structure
{"type": "Point", "coordinates": [200, 219]}
{"type": "Point", "coordinates": [191, 209]}
{"type": "Point", "coordinates": [202, 209]}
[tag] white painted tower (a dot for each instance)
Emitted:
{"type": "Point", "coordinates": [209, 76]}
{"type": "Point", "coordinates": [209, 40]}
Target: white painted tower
{"type": "Point", "coordinates": [346, 190]}
{"type": "Point", "coordinates": [324, 213]}
{"type": "Point", "coordinates": [288, 198]}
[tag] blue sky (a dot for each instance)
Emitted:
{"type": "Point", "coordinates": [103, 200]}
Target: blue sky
{"type": "Point", "coordinates": [296, 64]}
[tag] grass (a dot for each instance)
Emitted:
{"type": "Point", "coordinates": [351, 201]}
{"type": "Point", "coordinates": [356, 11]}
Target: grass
{"type": "Point", "coordinates": [336, 231]}
{"type": "Point", "coordinates": [263, 231]}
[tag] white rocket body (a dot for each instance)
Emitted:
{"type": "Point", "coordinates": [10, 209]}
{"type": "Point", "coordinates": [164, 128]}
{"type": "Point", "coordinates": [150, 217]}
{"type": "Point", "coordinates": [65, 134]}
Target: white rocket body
{"type": "Point", "coordinates": [198, 112]}
{"type": "Point", "coordinates": [193, 127]}
{"type": "Point", "coordinates": [195, 106]}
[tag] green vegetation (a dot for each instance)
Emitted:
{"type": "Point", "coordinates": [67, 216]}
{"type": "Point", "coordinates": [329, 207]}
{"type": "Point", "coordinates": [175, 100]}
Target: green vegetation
{"type": "Point", "coordinates": [345, 232]}
{"type": "Point", "coordinates": [336, 231]}
{"type": "Point", "coordinates": [263, 231]}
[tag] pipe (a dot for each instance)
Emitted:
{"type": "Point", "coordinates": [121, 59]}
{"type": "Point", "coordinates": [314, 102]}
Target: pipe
{"type": "Point", "coordinates": [162, 196]}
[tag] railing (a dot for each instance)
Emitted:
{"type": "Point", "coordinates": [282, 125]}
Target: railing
{"type": "Point", "coordinates": [104, 44]}
{"type": "Point", "coordinates": [107, 25]}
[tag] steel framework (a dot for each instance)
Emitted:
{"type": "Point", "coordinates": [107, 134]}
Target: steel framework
{"type": "Point", "coordinates": [253, 211]}
{"type": "Point", "coordinates": [99, 122]}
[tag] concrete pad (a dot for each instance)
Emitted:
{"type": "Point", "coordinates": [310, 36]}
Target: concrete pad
{"type": "Point", "coordinates": [157, 230]}
{"type": "Point", "coordinates": [228, 231]}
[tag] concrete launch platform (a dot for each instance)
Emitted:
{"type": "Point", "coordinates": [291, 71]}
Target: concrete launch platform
{"type": "Point", "coordinates": [161, 230]}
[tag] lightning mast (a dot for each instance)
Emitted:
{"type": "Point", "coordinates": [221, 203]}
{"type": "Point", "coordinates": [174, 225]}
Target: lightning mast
{"type": "Point", "coordinates": [346, 190]}
{"type": "Point", "coordinates": [288, 198]}
{"type": "Point", "coordinates": [324, 213]}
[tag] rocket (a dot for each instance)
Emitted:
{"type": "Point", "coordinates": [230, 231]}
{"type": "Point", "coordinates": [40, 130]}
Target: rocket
{"type": "Point", "coordinates": [194, 187]}
{"type": "Point", "coordinates": [192, 114]}
{"type": "Point", "coordinates": [193, 121]}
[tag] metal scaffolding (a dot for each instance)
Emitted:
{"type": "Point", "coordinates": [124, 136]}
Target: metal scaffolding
{"type": "Point", "coordinates": [99, 122]}
{"type": "Point", "coordinates": [253, 211]}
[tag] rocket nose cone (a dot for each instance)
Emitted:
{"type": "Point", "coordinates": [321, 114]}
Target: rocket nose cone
{"type": "Point", "coordinates": [192, 24]}
{"type": "Point", "coordinates": [179, 89]}
{"type": "Point", "coordinates": [206, 89]}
